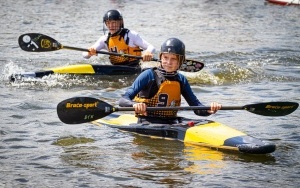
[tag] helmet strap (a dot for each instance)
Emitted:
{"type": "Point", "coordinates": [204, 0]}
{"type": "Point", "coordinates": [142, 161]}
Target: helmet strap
{"type": "Point", "coordinates": [165, 73]}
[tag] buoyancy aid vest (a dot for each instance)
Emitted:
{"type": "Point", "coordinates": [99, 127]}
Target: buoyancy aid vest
{"type": "Point", "coordinates": [118, 44]}
{"type": "Point", "coordinates": [168, 95]}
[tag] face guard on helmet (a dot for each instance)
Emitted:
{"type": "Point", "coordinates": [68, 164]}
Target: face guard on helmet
{"type": "Point", "coordinates": [112, 15]}
{"type": "Point", "coordinates": [174, 46]}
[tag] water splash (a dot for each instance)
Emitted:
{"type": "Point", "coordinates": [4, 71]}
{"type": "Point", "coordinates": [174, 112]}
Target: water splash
{"type": "Point", "coordinates": [9, 69]}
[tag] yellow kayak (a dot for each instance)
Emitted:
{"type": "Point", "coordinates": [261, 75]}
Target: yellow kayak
{"type": "Point", "coordinates": [200, 132]}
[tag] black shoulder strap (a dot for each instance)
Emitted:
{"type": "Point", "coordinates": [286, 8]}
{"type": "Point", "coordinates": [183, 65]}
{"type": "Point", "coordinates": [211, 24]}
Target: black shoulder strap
{"type": "Point", "coordinates": [122, 35]}
{"type": "Point", "coordinates": [107, 39]}
{"type": "Point", "coordinates": [159, 78]}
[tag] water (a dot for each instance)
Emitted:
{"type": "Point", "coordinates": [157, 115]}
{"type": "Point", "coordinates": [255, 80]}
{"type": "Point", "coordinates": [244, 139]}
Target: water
{"type": "Point", "coordinates": [251, 52]}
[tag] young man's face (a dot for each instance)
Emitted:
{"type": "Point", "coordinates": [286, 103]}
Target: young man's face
{"type": "Point", "coordinates": [113, 25]}
{"type": "Point", "coordinates": [169, 62]}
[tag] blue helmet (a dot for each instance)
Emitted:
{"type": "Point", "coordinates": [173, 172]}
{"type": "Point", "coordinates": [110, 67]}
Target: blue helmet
{"type": "Point", "coordinates": [113, 15]}
{"type": "Point", "coordinates": [174, 46]}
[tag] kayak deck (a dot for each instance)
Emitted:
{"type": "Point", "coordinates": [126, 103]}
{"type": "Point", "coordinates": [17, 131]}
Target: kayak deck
{"type": "Point", "coordinates": [203, 132]}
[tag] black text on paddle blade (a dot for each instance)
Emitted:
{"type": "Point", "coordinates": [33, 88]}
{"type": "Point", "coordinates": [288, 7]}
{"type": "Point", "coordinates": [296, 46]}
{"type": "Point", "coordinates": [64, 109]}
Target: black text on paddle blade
{"type": "Point", "coordinates": [272, 108]}
{"type": "Point", "coordinates": [35, 42]}
{"type": "Point", "coordinates": [82, 109]}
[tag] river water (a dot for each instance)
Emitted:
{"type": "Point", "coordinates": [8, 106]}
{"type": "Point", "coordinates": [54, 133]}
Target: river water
{"type": "Point", "coordinates": [251, 52]}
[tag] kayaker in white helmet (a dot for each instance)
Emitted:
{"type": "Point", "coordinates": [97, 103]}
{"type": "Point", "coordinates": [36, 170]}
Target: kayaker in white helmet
{"type": "Point", "coordinates": [121, 40]}
{"type": "Point", "coordinates": [163, 87]}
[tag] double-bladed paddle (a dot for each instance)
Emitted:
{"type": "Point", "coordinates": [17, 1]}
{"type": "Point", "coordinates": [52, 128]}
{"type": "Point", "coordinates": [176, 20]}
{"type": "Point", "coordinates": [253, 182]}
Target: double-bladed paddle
{"type": "Point", "coordinates": [86, 109]}
{"type": "Point", "coordinates": [36, 42]}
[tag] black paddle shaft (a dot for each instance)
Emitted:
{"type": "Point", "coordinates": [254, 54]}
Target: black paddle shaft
{"type": "Point", "coordinates": [85, 109]}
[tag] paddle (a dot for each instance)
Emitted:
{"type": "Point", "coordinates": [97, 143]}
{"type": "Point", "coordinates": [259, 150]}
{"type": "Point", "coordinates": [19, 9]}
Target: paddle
{"type": "Point", "coordinates": [36, 42]}
{"type": "Point", "coordinates": [86, 109]}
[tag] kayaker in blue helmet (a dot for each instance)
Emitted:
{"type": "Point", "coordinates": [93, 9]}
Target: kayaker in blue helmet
{"type": "Point", "coordinates": [121, 40]}
{"type": "Point", "coordinates": [162, 87]}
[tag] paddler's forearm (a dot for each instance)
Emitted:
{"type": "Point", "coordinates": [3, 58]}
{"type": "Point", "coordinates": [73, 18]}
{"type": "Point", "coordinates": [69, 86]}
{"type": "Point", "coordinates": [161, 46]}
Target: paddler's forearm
{"type": "Point", "coordinates": [123, 102]}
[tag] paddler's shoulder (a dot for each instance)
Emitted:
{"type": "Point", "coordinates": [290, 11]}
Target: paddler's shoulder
{"type": "Point", "coordinates": [181, 77]}
{"type": "Point", "coordinates": [148, 72]}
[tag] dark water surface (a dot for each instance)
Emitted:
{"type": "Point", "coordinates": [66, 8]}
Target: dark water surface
{"type": "Point", "coordinates": [252, 54]}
